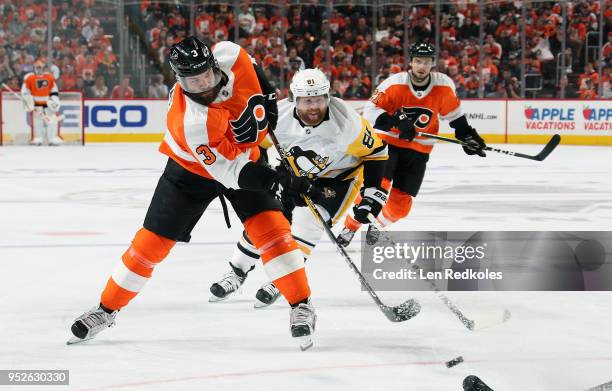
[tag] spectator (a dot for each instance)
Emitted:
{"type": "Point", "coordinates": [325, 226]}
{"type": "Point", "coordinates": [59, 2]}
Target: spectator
{"type": "Point", "coordinates": [157, 89]}
{"type": "Point", "coordinates": [123, 90]}
{"type": "Point", "coordinates": [606, 84]}
{"type": "Point", "coordinates": [383, 75]}
{"type": "Point", "coordinates": [356, 90]}
{"type": "Point", "coordinates": [570, 91]}
{"type": "Point", "coordinates": [589, 74]}
{"type": "Point", "coordinates": [492, 48]}
{"type": "Point", "coordinates": [5, 71]}
{"type": "Point", "coordinates": [607, 47]}
{"type": "Point", "coordinates": [13, 83]}
{"type": "Point", "coordinates": [336, 89]}
{"type": "Point", "coordinates": [468, 30]}
{"type": "Point", "coordinates": [68, 78]}
{"type": "Point", "coordinates": [587, 90]}
{"type": "Point", "coordinates": [99, 89]}
{"type": "Point", "coordinates": [89, 29]}
{"type": "Point", "coordinates": [499, 92]}
{"type": "Point", "coordinates": [296, 63]}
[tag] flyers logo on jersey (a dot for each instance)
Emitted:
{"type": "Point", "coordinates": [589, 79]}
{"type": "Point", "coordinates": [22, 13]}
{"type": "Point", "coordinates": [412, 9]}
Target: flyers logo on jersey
{"type": "Point", "coordinates": [252, 120]}
{"type": "Point", "coordinates": [42, 83]}
{"type": "Point", "coordinates": [306, 163]}
{"type": "Point", "coordinates": [420, 115]}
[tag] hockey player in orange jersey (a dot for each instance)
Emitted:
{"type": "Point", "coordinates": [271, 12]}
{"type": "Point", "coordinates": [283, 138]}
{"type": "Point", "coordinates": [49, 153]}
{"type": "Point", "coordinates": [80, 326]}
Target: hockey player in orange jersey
{"type": "Point", "coordinates": [41, 99]}
{"type": "Point", "coordinates": [219, 110]}
{"type": "Point", "coordinates": [403, 104]}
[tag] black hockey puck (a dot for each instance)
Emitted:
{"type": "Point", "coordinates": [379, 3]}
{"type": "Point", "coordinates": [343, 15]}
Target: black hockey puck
{"type": "Point", "coordinates": [454, 361]}
{"type": "Point", "coordinates": [473, 383]}
{"type": "Point", "coordinates": [590, 255]}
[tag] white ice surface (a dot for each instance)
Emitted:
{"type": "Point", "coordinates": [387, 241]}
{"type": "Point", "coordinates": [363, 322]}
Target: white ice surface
{"type": "Point", "coordinates": [68, 213]}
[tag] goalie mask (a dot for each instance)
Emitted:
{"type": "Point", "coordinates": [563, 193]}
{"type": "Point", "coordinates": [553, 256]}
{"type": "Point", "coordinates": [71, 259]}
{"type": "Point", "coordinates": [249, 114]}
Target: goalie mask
{"type": "Point", "coordinates": [309, 90]}
{"type": "Point", "coordinates": [39, 67]}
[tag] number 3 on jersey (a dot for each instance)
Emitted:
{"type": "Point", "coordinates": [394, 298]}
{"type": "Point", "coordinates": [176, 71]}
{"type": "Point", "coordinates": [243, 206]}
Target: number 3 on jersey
{"type": "Point", "coordinates": [208, 155]}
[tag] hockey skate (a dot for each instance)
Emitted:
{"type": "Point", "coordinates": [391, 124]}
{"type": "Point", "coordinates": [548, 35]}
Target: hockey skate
{"type": "Point", "coordinates": [266, 295]}
{"type": "Point", "coordinates": [345, 236]}
{"type": "Point", "coordinates": [88, 325]}
{"type": "Point", "coordinates": [56, 141]}
{"type": "Point", "coordinates": [229, 283]}
{"type": "Point", "coordinates": [302, 324]}
{"type": "Point", "coordinates": [36, 141]}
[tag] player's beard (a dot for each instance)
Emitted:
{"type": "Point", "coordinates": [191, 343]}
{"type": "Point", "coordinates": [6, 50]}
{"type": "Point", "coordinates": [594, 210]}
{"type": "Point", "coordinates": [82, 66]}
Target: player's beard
{"type": "Point", "coordinates": [418, 78]}
{"type": "Point", "coordinates": [312, 117]}
{"type": "Point", "coordinates": [208, 97]}
{"type": "Point", "coordinates": [205, 98]}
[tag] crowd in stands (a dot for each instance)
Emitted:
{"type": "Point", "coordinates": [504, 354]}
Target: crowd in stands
{"type": "Point", "coordinates": [355, 51]}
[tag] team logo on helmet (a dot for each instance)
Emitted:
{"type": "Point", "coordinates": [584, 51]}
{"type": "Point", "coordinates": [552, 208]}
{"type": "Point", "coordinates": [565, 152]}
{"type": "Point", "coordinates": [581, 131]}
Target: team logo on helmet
{"type": "Point", "coordinates": [174, 55]}
{"type": "Point", "coordinates": [205, 51]}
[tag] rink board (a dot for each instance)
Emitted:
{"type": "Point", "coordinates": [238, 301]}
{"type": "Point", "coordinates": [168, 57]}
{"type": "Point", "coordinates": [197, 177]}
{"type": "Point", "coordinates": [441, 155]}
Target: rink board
{"type": "Point", "coordinates": [579, 122]}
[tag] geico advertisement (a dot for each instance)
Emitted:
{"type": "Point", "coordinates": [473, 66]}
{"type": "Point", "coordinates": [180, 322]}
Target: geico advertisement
{"type": "Point", "coordinates": [584, 118]}
{"type": "Point", "coordinates": [125, 116]}
{"type": "Point", "coordinates": [487, 116]}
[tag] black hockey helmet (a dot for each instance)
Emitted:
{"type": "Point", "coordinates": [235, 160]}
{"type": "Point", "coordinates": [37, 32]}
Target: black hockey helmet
{"type": "Point", "coordinates": [191, 57]}
{"type": "Point", "coordinates": [422, 49]}
{"type": "Point", "coordinates": [191, 60]}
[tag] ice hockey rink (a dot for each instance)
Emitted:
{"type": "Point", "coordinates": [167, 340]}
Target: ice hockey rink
{"type": "Point", "coordinates": [68, 213]}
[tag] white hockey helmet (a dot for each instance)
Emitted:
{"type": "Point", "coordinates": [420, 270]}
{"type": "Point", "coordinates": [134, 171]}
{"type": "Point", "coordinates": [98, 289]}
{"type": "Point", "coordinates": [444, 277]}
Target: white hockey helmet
{"type": "Point", "coordinates": [309, 82]}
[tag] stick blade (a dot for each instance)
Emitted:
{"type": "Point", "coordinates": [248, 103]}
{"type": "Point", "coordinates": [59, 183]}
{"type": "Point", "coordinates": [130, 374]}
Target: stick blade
{"type": "Point", "coordinates": [548, 148]}
{"type": "Point", "coordinates": [407, 310]}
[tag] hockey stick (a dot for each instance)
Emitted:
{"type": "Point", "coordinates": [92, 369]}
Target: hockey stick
{"type": "Point", "coordinates": [467, 322]}
{"type": "Point", "coordinates": [399, 313]}
{"type": "Point", "coordinates": [47, 118]}
{"type": "Point", "coordinates": [548, 148]}
{"type": "Point", "coordinates": [602, 387]}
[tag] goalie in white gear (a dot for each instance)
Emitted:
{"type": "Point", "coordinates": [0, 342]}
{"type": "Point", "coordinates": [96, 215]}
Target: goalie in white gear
{"type": "Point", "coordinates": [41, 98]}
{"type": "Point", "coordinates": [329, 142]}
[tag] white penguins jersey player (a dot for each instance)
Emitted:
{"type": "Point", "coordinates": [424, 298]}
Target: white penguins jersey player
{"type": "Point", "coordinates": [335, 148]}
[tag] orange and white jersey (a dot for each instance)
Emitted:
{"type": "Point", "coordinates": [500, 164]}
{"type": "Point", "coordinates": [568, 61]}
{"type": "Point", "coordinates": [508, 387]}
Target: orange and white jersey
{"type": "Point", "coordinates": [199, 137]}
{"type": "Point", "coordinates": [241, 95]}
{"type": "Point", "coordinates": [397, 93]}
{"type": "Point", "coordinates": [41, 87]}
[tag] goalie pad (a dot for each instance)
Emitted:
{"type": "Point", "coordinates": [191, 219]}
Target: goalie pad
{"type": "Point", "coordinates": [53, 103]}
{"type": "Point", "coordinates": [28, 102]}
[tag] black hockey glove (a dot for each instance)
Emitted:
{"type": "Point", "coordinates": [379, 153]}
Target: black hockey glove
{"type": "Point", "coordinates": [295, 187]}
{"type": "Point", "coordinates": [469, 135]}
{"type": "Point", "coordinates": [259, 177]}
{"type": "Point", "coordinates": [372, 203]}
{"type": "Point", "coordinates": [271, 110]}
{"type": "Point", "coordinates": [405, 124]}
{"type": "Point", "coordinates": [476, 143]}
